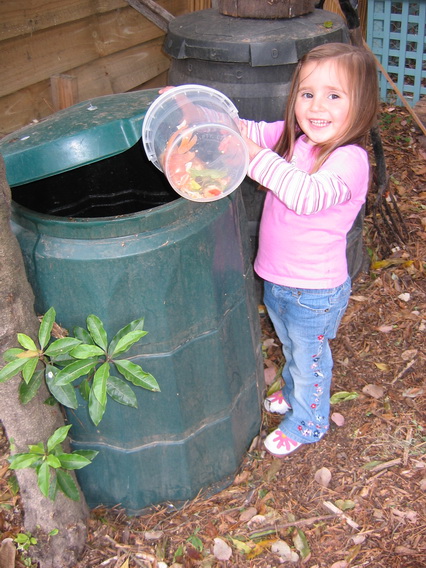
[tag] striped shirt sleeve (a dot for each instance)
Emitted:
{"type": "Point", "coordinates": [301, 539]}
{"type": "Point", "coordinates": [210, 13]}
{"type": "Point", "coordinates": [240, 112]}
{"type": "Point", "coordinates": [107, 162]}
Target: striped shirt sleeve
{"type": "Point", "coordinates": [264, 134]}
{"type": "Point", "coordinates": [301, 192]}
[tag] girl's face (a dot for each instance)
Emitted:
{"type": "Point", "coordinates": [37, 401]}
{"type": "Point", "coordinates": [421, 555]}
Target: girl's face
{"type": "Point", "coordinates": [322, 103]}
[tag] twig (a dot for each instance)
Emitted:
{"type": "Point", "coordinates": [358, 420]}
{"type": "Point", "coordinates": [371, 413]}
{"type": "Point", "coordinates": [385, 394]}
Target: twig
{"type": "Point", "coordinates": [408, 439]}
{"type": "Point", "coordinates": [385, 465]}
{"type": "Point", "coordinates": [279, 526]}
{"type": "Point", "coordinates": [404, 370]}
{"type": "Point", "coordinates": [340, 513]}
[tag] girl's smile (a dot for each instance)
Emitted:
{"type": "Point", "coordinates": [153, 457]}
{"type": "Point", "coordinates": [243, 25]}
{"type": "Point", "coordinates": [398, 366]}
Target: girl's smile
{"type": "Point", "coordinates": [322, 104]}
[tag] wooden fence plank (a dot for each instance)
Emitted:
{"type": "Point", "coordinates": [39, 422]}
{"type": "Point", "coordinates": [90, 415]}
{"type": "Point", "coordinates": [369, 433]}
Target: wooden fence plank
{"type": "Point", "coordinates": [20, 17]}
{"type": "Point", "coordinates": [30, 59]}
{"type": "Point", "coordinates": [124, 71]}
{"type": "Point", "coordinates": [121, 72]}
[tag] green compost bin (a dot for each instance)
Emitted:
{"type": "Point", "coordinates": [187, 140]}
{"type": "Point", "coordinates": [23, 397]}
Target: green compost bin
{"type": "Point", "coordinates": [102, 232]}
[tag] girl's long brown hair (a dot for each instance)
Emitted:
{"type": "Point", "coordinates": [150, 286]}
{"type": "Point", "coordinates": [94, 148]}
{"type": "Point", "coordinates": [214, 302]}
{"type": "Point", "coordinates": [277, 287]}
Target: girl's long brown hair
{"type": "Point", "coordinates": [360, 68]}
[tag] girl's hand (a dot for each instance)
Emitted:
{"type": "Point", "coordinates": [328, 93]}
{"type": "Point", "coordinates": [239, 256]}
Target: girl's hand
{"type": "Point", "coordinates": [252, 147]}
{"type": "Point", "coordinates": [165, 89]}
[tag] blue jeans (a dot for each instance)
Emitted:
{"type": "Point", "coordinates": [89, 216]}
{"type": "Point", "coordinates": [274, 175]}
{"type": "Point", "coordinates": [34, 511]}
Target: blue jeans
{"type": "Point", "coordinates": [304, 321]}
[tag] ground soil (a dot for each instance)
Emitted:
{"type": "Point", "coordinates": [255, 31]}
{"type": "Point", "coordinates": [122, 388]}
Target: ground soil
{"type": "Point", "coordinates": [358, 497]}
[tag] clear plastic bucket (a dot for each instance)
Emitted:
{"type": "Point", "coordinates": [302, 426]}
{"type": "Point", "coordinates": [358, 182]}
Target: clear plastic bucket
{"type": "Point", "coordinates": [191, 134]}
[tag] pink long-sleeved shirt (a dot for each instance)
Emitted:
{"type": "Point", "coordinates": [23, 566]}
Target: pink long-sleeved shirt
{"type": "Point", "coordinates": [306, 217]}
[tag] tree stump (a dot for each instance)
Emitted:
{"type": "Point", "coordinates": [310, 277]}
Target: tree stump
{"type": "Point", "coordinates": [266, 9]}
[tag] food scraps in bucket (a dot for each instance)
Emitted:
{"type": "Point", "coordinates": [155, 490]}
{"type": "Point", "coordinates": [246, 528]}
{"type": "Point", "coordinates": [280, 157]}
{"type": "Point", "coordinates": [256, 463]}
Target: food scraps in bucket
{"type": "Point", "coordinates": [188, 173]}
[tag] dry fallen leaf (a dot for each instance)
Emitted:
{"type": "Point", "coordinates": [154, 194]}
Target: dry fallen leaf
{"type": "Point", "coordinates": [338, 419]}
{"type": "Point", "coordinates": [221, 550]}
{"type": "Point", "coordinates": [269, 374]}
{"type": "Point", "coordinates": [323, 476]}
{"type": "Point", "coordinates": [382, 366]}
{"type": "Point", "coordinates": [256, 520]}
{"type": "Point", "coordinates": [284, 551]}
{"type": "Point", "coordinates": [153, 535]}
{"type": "Point", "coordinates": [408, 354]}
{"type": "Point", "coordinates": [405, 297]}
{"type": "Point", "coordinates": [385, 328]}
{"type": "Point", "coordinates": [413, 392]}
{"type": "Point", "coordinates": [375, 391]}
{"type": "Point", "coordinates": [248, 514]}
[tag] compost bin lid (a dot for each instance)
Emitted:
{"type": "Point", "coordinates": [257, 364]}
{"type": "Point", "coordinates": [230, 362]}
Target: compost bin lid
{"type": "Point", "coordinates": [79, 135]}
{"type": "Point", "coordinates": [211, 36]}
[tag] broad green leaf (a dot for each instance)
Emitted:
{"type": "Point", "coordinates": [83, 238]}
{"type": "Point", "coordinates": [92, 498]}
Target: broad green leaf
{"type": "Point", "coordinates": [22, 461]}
{"type": "Point", "coordinates": [127, 341]}
{"type": "Point", "coordinates": [37, 448]}
{"type": "Point", "coordinates": [83, 335]}
{"type": "Point", "coordinates": [301, 543]}
{"type": "Point", "coordinates": [11, 354]}
{"type": "Point", "coordinates": [53, 461]}
{"type": "Point", "coordinates": [88, 454]}
{"type": "Point", "coordinates": [26, 342]}
{"type": "Point", "coordinates": [96, 409]}
{"type": "Point", "coordinates": [136, 375]}
{"type": "Point", "coordinates": [343, 396]}
{"type": "Point", "coordinates": [53, 488]}
{"type": "Point", "coordinates": [43, 478]}
{"type": "Point", "coordinates": [84, 388]}
{"type": "Point", "coordinates": [74, 371]}
{"type": "Point", "coordinates": [66, 485]}
{"type": "Point", "coordinates": [28, 369]}
{"type": "Point", "coordinates": [65, 394]}
{"type": "Point", "coordinates": [345, 504]}
{"type": "Point", "coordinates": [57, 437]}
{"type": "Point", "coordinates": [27, 391]}
{"type": "Point", "coordinates": [84, 351]}
{"type": "Point", "coordinates": [61, 346]}
{"type": "Point", "coordinates": [196, 542]}
{"type": "Point", "coordinates": [72, 461]}
{"type": "Point", "coordinates": [132, 326]}
{"type": "Point", "coordinates": [120, 391]}
{"type": "Point", "coordinates": [62, 361]}
{"type": "Point", "coordinates": [242, 546]}
{"type": "Point", "coordinates": [97, 331]}
{"type": "Point", "coordinates": [12, 369]}
{"type": "Point", "coordinates": [44, 333]}
{"type": "Point", "coordinates": [100, 382]}
{"type": "Point", "coordinates": [372, 464]}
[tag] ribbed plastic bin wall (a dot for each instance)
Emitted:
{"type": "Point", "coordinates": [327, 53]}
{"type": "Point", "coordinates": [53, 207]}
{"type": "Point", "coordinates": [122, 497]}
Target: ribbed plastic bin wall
{"type": "Point", "coordinates": [396, 34]}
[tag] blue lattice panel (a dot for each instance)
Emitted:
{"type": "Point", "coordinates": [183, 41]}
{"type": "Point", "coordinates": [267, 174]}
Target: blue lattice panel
{"type": "Point", "coordinates": [396, 34]}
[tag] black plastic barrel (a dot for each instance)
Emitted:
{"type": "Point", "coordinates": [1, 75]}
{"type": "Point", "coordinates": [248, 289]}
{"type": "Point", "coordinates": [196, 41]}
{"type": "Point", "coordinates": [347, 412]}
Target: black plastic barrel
{"type": "Point", "coordinates": [105, 234]}
{"type": "Point", "coordinates": [252, 62]}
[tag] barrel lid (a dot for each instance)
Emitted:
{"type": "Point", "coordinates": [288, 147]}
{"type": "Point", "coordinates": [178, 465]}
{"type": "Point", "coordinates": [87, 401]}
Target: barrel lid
{"type": "Point", "coordinates": [79, 135]}
{"type": "Point", "coordinates": [212, 36]}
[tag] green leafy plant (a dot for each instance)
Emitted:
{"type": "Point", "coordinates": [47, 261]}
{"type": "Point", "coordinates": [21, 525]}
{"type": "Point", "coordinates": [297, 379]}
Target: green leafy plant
{"type": "Point", "coordinates": [51, 463]}
{"type": "Point", "coordinates": [24, 541]}
{"type": "Point", "coordinates": [87, 357]}
{"type": "Point", "coordinates": [84, 361]}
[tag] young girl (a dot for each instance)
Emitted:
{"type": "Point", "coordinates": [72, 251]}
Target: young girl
{"type": "Point", "coordinates": [315, 169]}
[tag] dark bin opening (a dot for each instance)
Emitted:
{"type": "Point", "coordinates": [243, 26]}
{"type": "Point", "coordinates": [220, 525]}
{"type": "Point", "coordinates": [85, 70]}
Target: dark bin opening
{"type": "Point", "coordinates": [122, 184]}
